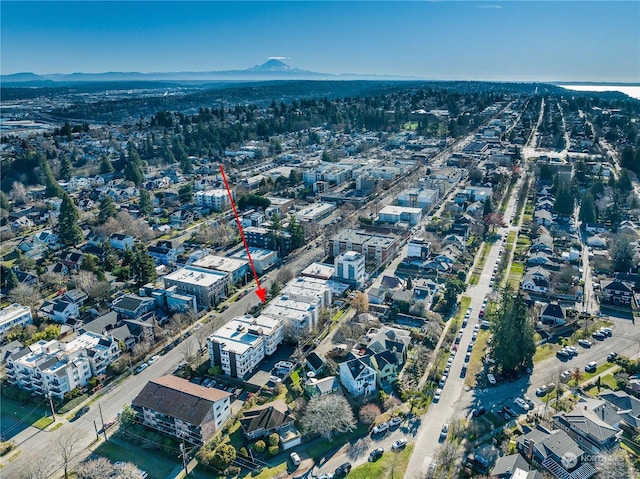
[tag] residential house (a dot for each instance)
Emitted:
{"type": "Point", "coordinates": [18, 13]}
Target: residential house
{"type": "Point", "coordinates": [319, 387]}
{"type": "Point", "coordinates": [76, 296]}
{"type": "Point", "coordinates": [165, 252]}
{"type": "Point", "coordinates": [534, 284]}
{"type": "Point", "coordinates": [181, 409]}
{"type": "Point", "coordinates": [627, 407]}
{"type": "Point", "coordinates": [543, 217]}
{"type": "Point", "coordinates": [121, 241]}
{"type": "Point", "coordinates": [73, 259]}
{"type": "Point", "coordinates": [513, 466]}
{"type": "Point", "coordinates": [553, 313]}
{"type": "Point", "coordinates": [554, 452]}
{"type": "Point", "coordinates": [314, 363]}
{"type": "Point", "coordinates": [358, 376]}
{"type": "Point", "coordinates": [273, 417]}
{"type": "Point", "coordinates": [617, 293]}
{"type": "Point", "coordinates": [58, 268]}
{"type": "Point", "coordinates": [588, 428]}
{"type": "Point", "coordinates": [133, 306]}
{"type": "Point", "coordinates": [22, 223]}
{"type": "Point", "coordinates": [59, 310]}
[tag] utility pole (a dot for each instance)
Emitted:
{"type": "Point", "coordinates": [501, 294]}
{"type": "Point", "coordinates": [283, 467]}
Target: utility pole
{"type": "Point", "coordinates": [104, 429]}
{"type": "Point", "coordinates": [183, 453]}
{"type": "Point", "coordinates": [53, 413]}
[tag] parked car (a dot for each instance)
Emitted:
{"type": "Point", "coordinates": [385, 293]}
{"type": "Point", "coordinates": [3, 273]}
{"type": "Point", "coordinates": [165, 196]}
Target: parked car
{"type": "Point", "coordinates": [585, 343]}
{"type": "Point", "coordinates": [380, 428]}
{"type": "Point", "coordinates": [591, 367]}
{"type": "Point", "coordinates": [444, 431]}
{"type": "Point", "coordinates": [436, 396]}
{"type": "Point", "coordinates": [295, 459]}
{"type": "Point", "coordinates": [521, 402]}
{"type": "Point", "coordinates": [81, 412]}
{"type": "Point", "coordinates": [563, 353]}
{"type": "Point", "coordinates": [141, 368]}
{"type": "Point", "coordinates": [153, 359]}
{"type": "Point", "coordinates": [395, 422]}
{"type": "Point", "coordinates": [491, 378]}
{"type": "Point", "coordinates": [399, 444]}
{"type": "Point", "coordinates": [376, 454]}
{"type": "Point", "coordinates": [606, 331]}
{"type": "Point", "coordinates": [565, 376]}
{"type": "Point", "coordinates": [326, 475]}
{"type": "Point", "coordinates": [479, 411]}
{"type": "Point", "coordinates": [612, 356]}
{"type": "Point", "coordinates": [342, 470]}
{"type": "Point", "coordinates": [284, 365]}
{"type": "Point", "coordinates": [443, 380]}
{"type": "Point", "coordinates": [510, 412]}
{"type": "Point", "coordinates": [541, 391]}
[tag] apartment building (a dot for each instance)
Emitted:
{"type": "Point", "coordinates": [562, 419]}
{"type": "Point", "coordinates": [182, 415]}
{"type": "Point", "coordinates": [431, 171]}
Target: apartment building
{"type": "Point", "coordinates": [208, 286]}
{"type": "Point", "coordinates": [12, 316]}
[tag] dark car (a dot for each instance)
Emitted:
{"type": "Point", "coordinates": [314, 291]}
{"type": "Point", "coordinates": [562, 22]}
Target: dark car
{"type": "Point", "coordinates": [81, 412]}
{"type": "Point", "coordinates": [376, 454]}
{"type": "Point", "coordinates": [343, 470]}
{"type": "Point", "coordinates": [479, 411]}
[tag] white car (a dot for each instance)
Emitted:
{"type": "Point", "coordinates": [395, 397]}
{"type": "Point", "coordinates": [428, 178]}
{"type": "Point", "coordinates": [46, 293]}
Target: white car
{"type": "Point", "coordinates": [521, 402]}
{"type": "Point", "coordinates": [283, 365]}
{"type": "Point", "coordinates": [443, 380]}
{"type": "Point", "coordinates": [444, 431]}
{"type": "Point", "coordinates": [295, 459]}
{"type": "Point", "coordinates": [153, 359]}
{"type": "Point", "coordinates": [491, 378]}
{"type": "Point", "coordinates": [399, 444]}
{"type": "Point", "coordinates": [436, 396]}
{"type": "Point", "coordinates": [380, 428]}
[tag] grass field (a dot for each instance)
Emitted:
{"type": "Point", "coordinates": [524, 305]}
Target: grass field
{"type": "Point", "coordinates": [268, 473]}
{"type": "Point", "coordinates": [155, 463]}
{"type": "Point", "coordinates": [599, 369]}
{"type": "Point", "coordinates": [543, 352]}
{"type": "Point", "coordinates": [515, 275]}
{"type": "Point", "coordinates": [390, 465]}
{"type": "Point", "coordinates": [475, 363]}
{"type": "Point", "coordinates": [36, 415]}
{"type": "Point", "coordinates": [319, 448]}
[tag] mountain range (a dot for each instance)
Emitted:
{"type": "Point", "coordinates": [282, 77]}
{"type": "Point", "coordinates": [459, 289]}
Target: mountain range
{"type": "Point", "coordinates": [272, 69]}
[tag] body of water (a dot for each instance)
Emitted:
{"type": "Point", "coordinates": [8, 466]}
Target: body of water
{"type": "Point", "coordinates": [632, 91]}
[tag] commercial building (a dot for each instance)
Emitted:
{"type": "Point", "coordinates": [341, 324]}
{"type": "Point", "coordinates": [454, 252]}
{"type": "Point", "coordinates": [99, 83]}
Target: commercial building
{"type": "Point", "coordinates": [315, 212]}
{"type": "Point", "coordinates": [208, 286]}
{"type": "Point", "coordinates": [240, 345]}
{"type": "Point", "coordinates": [418, 198]}
{"type": "Point", "coordinates": [14, 315]}
{"type": "Point", "coordinates": [179, 408]}
{"type": "Point", "coordinates": [395, 214]}
{"type": "Point", "coordinates": [350, 267]}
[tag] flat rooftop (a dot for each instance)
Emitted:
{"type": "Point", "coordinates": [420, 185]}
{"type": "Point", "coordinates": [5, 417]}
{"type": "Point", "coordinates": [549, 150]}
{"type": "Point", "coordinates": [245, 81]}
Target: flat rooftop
{"type": "Point", "coordinates": [197, 277]}
{"type": "Point", "coordinates": [221, 263]}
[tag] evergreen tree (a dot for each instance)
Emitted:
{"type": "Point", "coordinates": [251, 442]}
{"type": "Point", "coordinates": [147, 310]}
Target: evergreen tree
{"type": "Point", "coordinates": [110, 259]}
{"type": "Point", "coordinates": [107, 209]}
{"type": "Point", "coordinates": [488, 208]}
{"type": "Point", "coordinates": [133, 167]}
{"type": "Point", "coordinates": [66, 169]}
{"type": "Point", "coordinates": [143, 267]}
{"type": "Point", "coordinates": [563, 205]}
{"type": "Point", "coordinates": [105, 166]}
{"type": "Point", "coordinates": [70, 231]}
{"type": "Point", "coordinates": [146, 207]}
{"type": "Point", "coordinates": [296, 231]}
{"type": "Point", "coordinates": [185, 193]}
{"type": "Point", "coordinates": [588, 208]}
{"type": "Point", "coordinates": [512, 342]}
{"type": "Point", "coordinates": [11, 279]}
{"type": "Point", "coordinates": [409, 284]}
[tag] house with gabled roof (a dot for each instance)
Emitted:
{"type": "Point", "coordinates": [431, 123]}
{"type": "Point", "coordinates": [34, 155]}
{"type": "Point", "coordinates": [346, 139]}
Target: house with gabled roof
{"type": "Point", "coordinates": [513, 466]}
{"type": "Point", "coordinates": [553, 313]}
{"type": "Point", "coordinates": [59, 310]}
{"type": "Point", "coordinates": [133, 306]}
{"type": "Point", "coordinates": [319, 387]}
{"type": "Point", "coordinates": [586, 425]}
{"type": "Point", "coordinates": [358, 376]}
{"type": "Point", "coordinates": [627, 408]}
{"type": "Point", "coordinates": [314, 363]}
{"type": "Point", "coordinates": [534, 284]}
{"type": "Point", "coordinates": [617, 293]}
{"type": "Point", "coordinates": [273, 417]}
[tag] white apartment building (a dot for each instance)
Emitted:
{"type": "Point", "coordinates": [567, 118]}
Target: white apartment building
{"type": "Point", "coordinates": [208, 286]}
{"type": "Point", "coordinates": [100, 350]}
{"type": "Point", "coordinates": [216, 199]}
{"type": "Point", "coordinates": [14, 315]}
{"type": "Point", "coordinates": [394, 214]}
{"type": "Point", "coordinates": [307, 289]}
{"type": "Point", "coordinates": [297, 315]}
{"type": "Point", "coordinates": [350, 266]}
{"type": "Point", "coordinates": [44, 368]}
{"type": "Point", "coordinates": [241, 344]}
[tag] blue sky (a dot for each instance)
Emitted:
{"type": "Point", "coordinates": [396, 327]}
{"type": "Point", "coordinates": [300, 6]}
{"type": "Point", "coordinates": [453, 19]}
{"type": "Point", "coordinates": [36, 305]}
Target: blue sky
{"type": "Point", "coordinates": [471, 40]}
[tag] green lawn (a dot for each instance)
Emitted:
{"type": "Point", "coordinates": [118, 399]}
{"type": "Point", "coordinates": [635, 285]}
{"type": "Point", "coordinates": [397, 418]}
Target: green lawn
{"type": "Point", "coordinates": [609, 381]}
{"type": "Point", "coordinates": [475, 363]}
{"type": "Point", "coordinates": [465, 301]}
{"type": "Point", "coordinates": [390, 465]}
{"type": "Point", "coordinates": [543, 352]}
{"type": "Point", "coordinates": [156, 463]}
{"type": "Point", "coordinates": [319, 448]}
{"type": "Point", "coordinates": [511, 237]}
{"type": "Point", "coordinates": [515, 275]}
{"type": "Point", "coordinates": [268, 473]}
{"type": "Point", "coordinates": [37, 416]}
{"type": "Point", "coordinates": [599, 369]}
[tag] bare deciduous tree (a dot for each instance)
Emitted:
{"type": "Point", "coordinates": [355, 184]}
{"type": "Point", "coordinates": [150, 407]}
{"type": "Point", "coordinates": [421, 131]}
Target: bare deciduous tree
{"type": "Point", "coordinates": [614, 465]}
{"type": "Point", "coordinates": [52, 280]}
{"type": "Point", "coordinates": [360, 302]}
{"type": "Point", "coordinates": [66, 444]}
{"type": "Point", "coordinates": [95, 469]}
{"type": "Point", "coordinates": [326, 415]}
{"type": "Point", "coordinates": [446, 455]}
{"type": "Point", "coordinates": [84, 281]}
{"type": "Point", "coordinates": [18, 193]}
{"type": "Point", "coordinates": [25, 295]}
{"type": "Point", "coordinates": [368, 414]}
{"type": "Point", "coordinates": [284, 276]}
{"type": "Point", "coordinates": [35, 466]}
